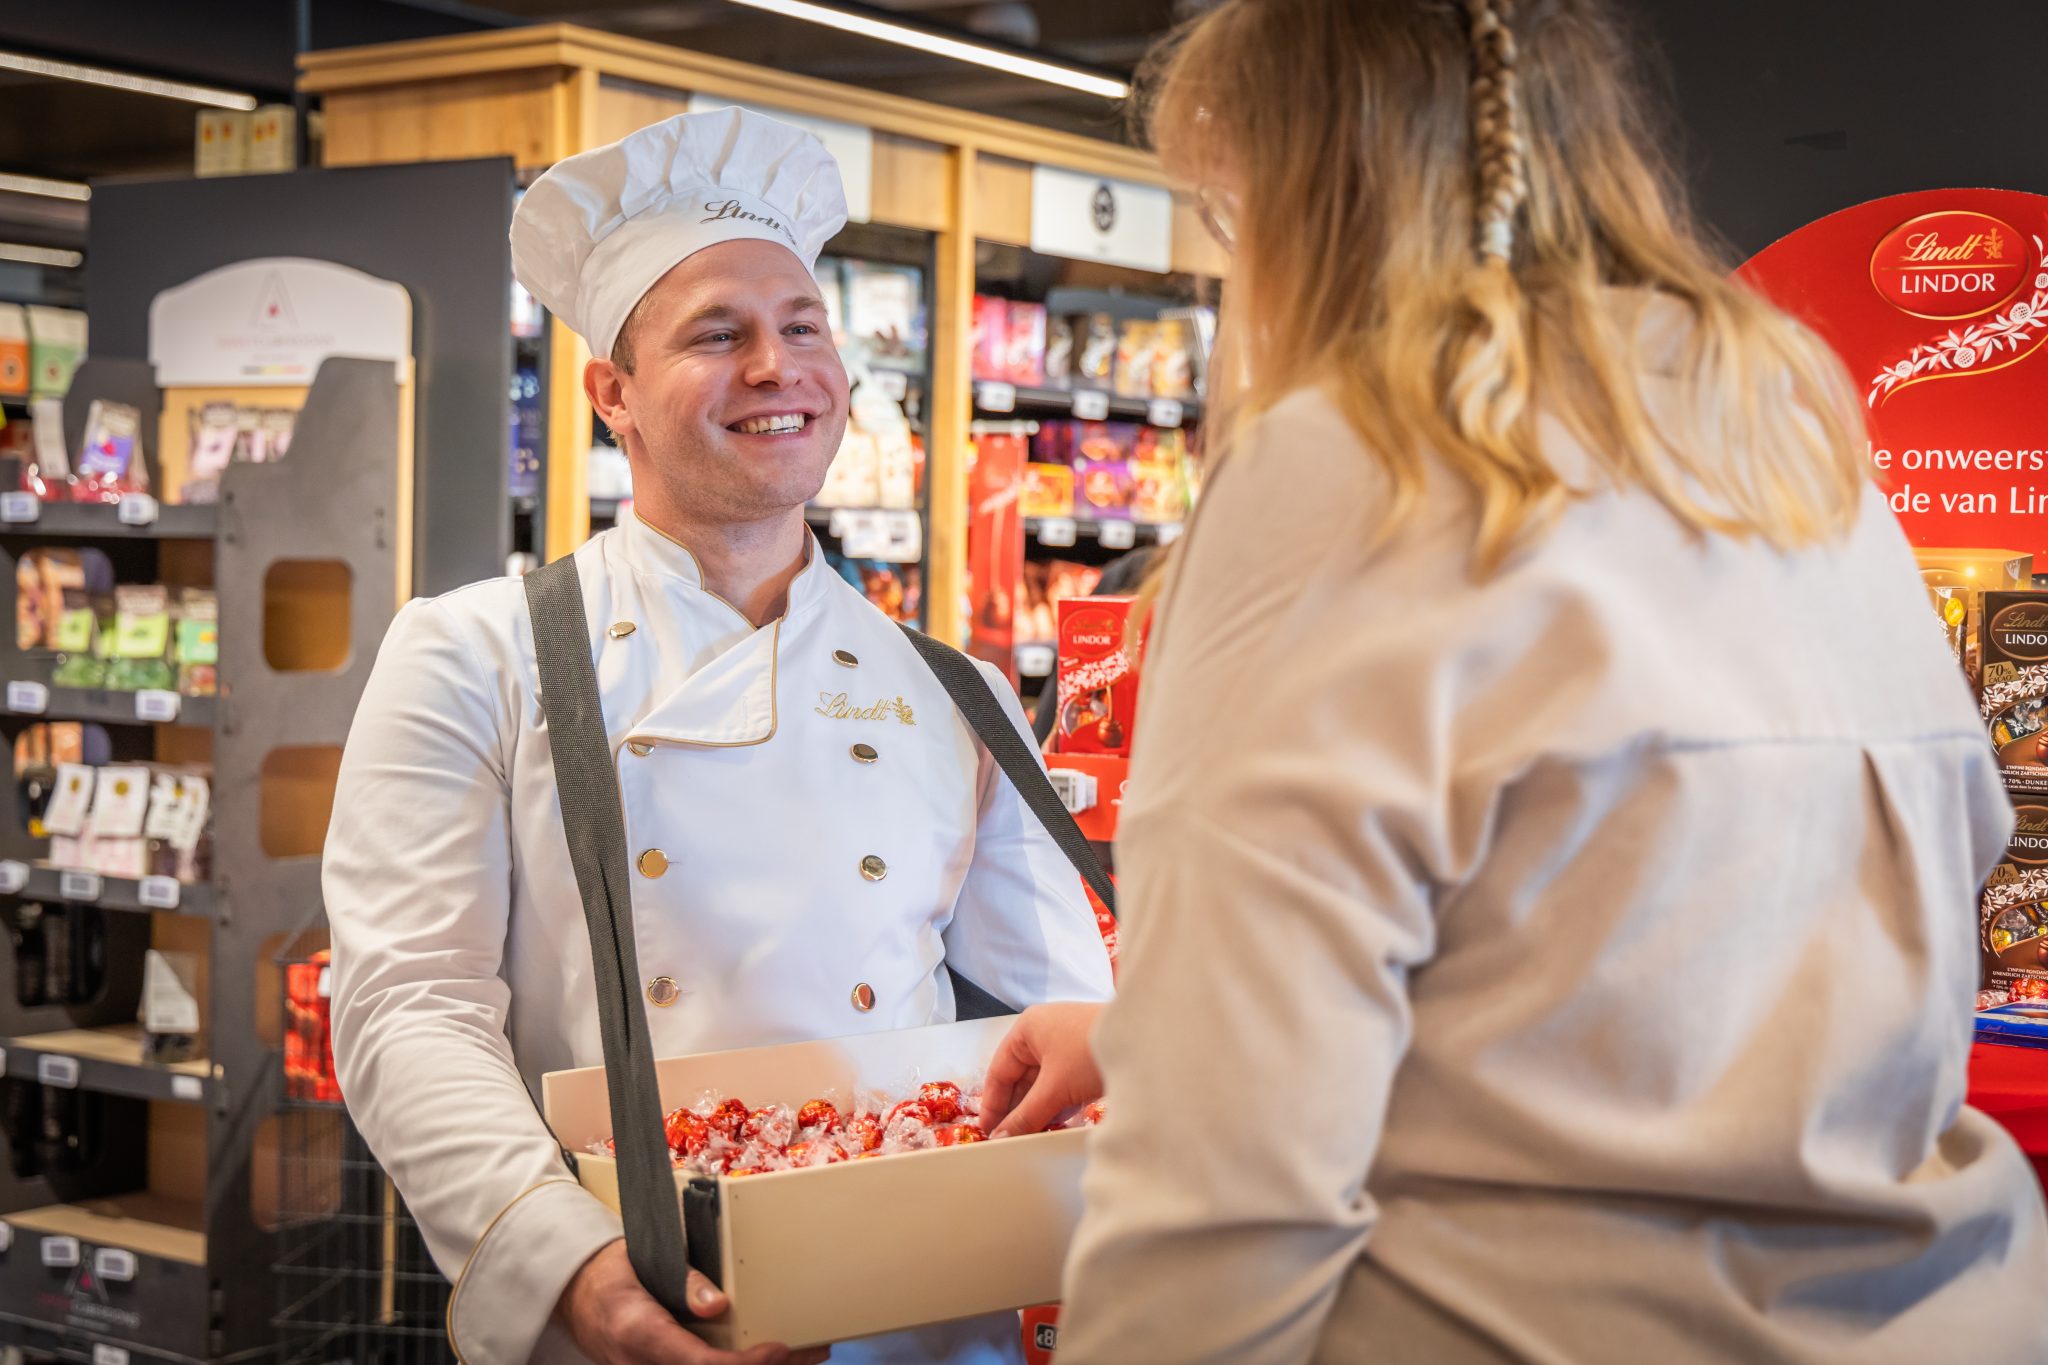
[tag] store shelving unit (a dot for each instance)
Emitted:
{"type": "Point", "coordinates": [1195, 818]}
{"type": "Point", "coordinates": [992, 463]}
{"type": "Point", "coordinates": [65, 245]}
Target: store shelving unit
{"type": "Point", "coordinates": [160, 1243]}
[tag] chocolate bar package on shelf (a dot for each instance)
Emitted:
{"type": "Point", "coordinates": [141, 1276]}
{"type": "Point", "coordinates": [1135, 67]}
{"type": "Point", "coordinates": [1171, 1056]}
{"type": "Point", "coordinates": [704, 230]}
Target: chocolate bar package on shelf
{"type": "Point", "coordinates": [1956, 581]}
{"type": "Point", "coordinates": [2012, 653]}
{"type": "Point", "coordinates": [2013, 916]}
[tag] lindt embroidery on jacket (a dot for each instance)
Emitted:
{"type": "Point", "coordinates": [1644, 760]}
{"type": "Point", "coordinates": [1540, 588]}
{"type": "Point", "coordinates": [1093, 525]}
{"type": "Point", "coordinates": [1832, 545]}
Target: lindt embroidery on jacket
{"type": "Point", "coordinates": [838, 706]}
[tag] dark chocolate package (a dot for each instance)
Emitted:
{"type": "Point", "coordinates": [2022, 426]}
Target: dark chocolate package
{"type": "Point", "coordinates": [2012, 649]}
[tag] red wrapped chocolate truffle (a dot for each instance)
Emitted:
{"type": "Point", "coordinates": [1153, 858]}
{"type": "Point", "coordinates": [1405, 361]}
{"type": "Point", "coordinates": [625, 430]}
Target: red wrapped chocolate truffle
{"type": "Point", "coordinates": [942, 1098]}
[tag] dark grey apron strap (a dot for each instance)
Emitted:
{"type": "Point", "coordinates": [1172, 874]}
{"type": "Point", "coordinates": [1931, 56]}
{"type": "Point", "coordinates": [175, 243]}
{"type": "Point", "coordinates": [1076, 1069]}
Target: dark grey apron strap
{"type": "Point", "coordinates": [595, 830]}
{"type": "Point", "coordinates": [984, 714]}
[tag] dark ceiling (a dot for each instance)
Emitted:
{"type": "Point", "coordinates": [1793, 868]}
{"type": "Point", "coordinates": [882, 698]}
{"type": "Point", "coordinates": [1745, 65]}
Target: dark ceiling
{"type": "Point", "coordinates": [1789, 108]}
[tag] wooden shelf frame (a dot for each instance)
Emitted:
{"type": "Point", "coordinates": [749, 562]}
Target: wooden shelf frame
{"type": "Point", "coordinates": [541, 93]}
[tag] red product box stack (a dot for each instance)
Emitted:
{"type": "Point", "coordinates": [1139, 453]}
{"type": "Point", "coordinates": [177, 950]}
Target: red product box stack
{"type": "Point", "coordinates": [309, 1039]}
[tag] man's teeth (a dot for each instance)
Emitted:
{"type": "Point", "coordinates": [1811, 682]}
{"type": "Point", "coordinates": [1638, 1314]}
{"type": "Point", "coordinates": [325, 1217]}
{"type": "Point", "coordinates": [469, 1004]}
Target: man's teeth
{"type": "Point", "coordinates": [766, 426]}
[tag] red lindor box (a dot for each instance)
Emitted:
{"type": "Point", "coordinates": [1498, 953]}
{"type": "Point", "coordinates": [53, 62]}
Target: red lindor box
{"type": "Point", "coordinates": [991, 338]}
{"type": "Point", "coordinates": [1098, 678]}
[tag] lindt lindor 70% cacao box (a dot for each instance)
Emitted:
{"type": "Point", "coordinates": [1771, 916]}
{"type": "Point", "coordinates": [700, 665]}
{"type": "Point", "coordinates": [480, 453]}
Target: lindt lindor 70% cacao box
{"type": "Point", "coordinates": [2012, 650]}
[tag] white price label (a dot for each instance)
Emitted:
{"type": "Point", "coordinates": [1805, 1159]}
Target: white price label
{"type": "Point", "coordinates": [1091, 405]}
{"type": "Point", "coordinates": [1169, 532]}
{"type": "Point", "coordinates": [157, 705]}
{"type": "Point", "coordinates": [19, 507]}
{"type": "Point", "coordinates": [103, 1354]}
{"type": "Point", "coordinates": [1164, 412]}
{"type": "Point", "coordinates": [1035, 661]}
{"type": "Point", "coordinates": [6, 1236]}
{"type": "Point", "coordinates": [61, 1072]}
{"type": "Point", "coordinates": [187, 1088]}
{"type": "Point", "coordinates": [1076, 789]}
{"type": "Point", "coordinates": [60, 1251]}
{"type": "Point", "coordinates": [159, 893]}
{"type": "Point", "coordinates": [3, 1061]}
{"type": "Point", "coordinates": [1117, 535]}
{"type": "Point", "coordinates": [894, 383]}
{"type": "Point", "coordinates": [1057, 532]}
{"type": "Point", "coordinates": [325, 988]}
{"type": "Point", "coordinates": [996, 397]}
{"type": "Point", "coordinates": [136, 509]}
{"type": "Point", "coordinates": [863, 535]}
{"type": "Point", "coordinates": [28, 698]}
{"type": "Point", "coordinates": [13, 876]}
{"type": "Point", "coordinates": [112, 1263]}
{"type": "Point", "coordinates": [78, 886]}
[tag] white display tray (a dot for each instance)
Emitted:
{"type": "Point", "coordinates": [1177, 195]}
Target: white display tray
{"type": "Point", "coordinates": [830, 1253]}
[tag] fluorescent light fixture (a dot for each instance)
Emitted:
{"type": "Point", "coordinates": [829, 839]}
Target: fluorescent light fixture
{"type": "Point", "coordinates": [35, 184]}
{"type": "Point", "coordinates": [959, 49]}
{"type": "Point", "coordinates": [122, 80]}
{"type": "Point", "coordinates": [41, 255]}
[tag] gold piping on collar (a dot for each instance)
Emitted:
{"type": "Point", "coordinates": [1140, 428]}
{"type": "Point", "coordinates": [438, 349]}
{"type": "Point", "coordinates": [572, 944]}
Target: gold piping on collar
{"type": "Point", "coordinates": [704, 584]}
{"type": "Point", "coordinates": [774, 708]}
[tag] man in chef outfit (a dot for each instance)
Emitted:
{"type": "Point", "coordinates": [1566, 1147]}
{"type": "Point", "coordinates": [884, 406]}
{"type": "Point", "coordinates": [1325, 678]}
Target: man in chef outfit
{"type": "Point", "coordinates": [816, 835]}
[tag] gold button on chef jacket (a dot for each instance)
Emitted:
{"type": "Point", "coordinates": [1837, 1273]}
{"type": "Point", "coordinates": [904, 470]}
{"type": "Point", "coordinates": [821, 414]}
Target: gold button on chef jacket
{"type": "Point", "coordinates": [462, 966]}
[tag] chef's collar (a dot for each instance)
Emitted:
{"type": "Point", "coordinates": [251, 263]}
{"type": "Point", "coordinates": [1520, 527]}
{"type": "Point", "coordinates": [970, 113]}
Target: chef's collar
{"type": "Point", "coordinates": [654, 551]}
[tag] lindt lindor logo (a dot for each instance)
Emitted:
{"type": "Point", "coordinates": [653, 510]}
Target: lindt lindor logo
{"type": "Point", "coordinates": [2030, 836]}
{"type": "Point", "coordinates": [2021, 630]}
{"type": "Point", "coordinates": [1094, 633]}
{"type": "Point", "coordinates": [1950, 265]}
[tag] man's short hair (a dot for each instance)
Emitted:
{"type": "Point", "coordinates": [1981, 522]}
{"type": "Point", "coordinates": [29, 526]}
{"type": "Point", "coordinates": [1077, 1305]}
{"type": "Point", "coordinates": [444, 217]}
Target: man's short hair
{"type": "Point", "coordinates": [622, 345]}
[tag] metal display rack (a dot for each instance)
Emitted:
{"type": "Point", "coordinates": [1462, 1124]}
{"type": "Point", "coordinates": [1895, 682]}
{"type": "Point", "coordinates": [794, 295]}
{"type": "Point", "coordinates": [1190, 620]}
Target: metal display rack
{"type": "Point", "coordinates": [95, 1264]}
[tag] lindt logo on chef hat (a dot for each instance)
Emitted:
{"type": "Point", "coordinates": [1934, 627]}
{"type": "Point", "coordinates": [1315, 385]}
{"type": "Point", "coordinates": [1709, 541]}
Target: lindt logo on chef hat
{"type": "Point", "coordinates": [1952, 265]}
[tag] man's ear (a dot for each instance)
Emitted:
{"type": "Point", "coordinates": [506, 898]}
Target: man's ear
{"type": "Point", "coordinates": [605, 384]}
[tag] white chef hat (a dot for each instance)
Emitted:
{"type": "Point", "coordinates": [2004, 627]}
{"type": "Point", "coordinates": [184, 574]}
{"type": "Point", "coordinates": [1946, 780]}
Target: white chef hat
{"type": "Point", "coordinates": [600, 228]}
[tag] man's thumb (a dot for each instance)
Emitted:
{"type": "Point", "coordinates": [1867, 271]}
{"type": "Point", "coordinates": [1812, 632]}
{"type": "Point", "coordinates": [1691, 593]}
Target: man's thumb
{"type": "Point", "coordinates": [1034, 1111]}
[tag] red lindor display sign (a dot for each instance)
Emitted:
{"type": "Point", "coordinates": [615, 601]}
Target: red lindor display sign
{"type": "Point", "coordinates": [995, 549]}
{"type": "Point", "coordinates": [1938, 304]}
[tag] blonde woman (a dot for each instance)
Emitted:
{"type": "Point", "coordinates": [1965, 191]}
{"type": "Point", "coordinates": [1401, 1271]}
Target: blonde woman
{"type": "Point", "coordinates": [1551, 845]}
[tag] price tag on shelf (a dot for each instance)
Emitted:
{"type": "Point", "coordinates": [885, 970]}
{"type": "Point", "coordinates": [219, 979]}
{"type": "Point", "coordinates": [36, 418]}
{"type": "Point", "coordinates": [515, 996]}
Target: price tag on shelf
{"type": "Point", "coordinates": [28, 698]}
{"type": "Point", "coordinates": [3, 1061]}
{"type": "Point", "coordinates": [103, 1354]}
{"type": "Point", "coordinates": [187, 1088]}
{"type": "Point", "coordinates": [1035, 661]}
{"type": "Point", "coordinates": [1117, 535]}
{"type": "Point", "coordinates": [78, 886]}
{"type": "Point", "coordinates": [993, 397]}
{"type": "Point", "coordinates": [1091, 405]}
{"type": "Point", "coordinates": [1057, 532]}
{"type": "Point", "coordinates": [13, 876]}
{"type": "Point", "coordinates": [905, 538]}
{"type": "Point", "coordinates": [894, 383]}
{"type": "Point", "coordinates": [60, 1251]}
{"type": "Point", "coordinates": [1169, 532]}
{"type": "Point", "coordinates": [19, 507]}
{"type": "Point", "coordinates": [1076, 789]}
{"type": "Point", "coordinates": [61, 1072]}
{"type": "Point", "coordinates": [157, 705]}
{"type": "Point", "coordinates": [159, 893]}
{"type": "Point", "coordinates": [1164, 412]}
{"type": "Point", "coordinates": [136, 509]}
{"type": "Point", "coordinates": [112, 1263]}
{"type": "Point", "coordinates": [6, 1236]}
{"type": "Point", "coordinates": [862, 535]}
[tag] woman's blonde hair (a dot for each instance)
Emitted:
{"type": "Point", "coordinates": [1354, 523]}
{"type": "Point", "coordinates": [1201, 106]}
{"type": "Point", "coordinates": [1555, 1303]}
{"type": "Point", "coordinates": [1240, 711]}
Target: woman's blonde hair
{"type": "Point", "coordinates": [1430, 201]}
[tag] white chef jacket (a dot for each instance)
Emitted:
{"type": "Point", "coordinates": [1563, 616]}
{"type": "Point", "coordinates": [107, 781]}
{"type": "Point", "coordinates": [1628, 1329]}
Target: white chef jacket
{"type": "Point", "coordinates": [1574, 967]}
{"type": "Point", "coordinates": [462, 968]}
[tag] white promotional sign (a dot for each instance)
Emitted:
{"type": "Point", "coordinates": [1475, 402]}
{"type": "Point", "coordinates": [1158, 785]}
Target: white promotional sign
{"type": "Point", "coordinates": [851, 145]}
{"type": "Point", "coordinates": [271, 321]}
{"type": "Point", "coordinates": [1093, 219]}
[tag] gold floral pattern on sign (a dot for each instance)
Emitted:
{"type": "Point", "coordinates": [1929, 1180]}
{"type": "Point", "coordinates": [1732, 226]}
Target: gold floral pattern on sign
{"type": "Point", "coordinates": [841, 706]}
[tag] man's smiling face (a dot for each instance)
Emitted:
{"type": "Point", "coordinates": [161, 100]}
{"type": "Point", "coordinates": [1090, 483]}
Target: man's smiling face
{"type": "Point", "coordinates": [734, 400]}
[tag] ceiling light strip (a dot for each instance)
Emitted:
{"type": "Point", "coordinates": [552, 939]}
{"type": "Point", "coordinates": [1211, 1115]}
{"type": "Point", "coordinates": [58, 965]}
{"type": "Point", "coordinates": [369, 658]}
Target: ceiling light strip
{"type": "Point", "coordinates": [959, 49]}
{"type": "Point", "coordinates": [36, 184]}
{"type": "Point", "coordinates": [41, 255]}
{"type": "Point", "coordinates": [122, 80]}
